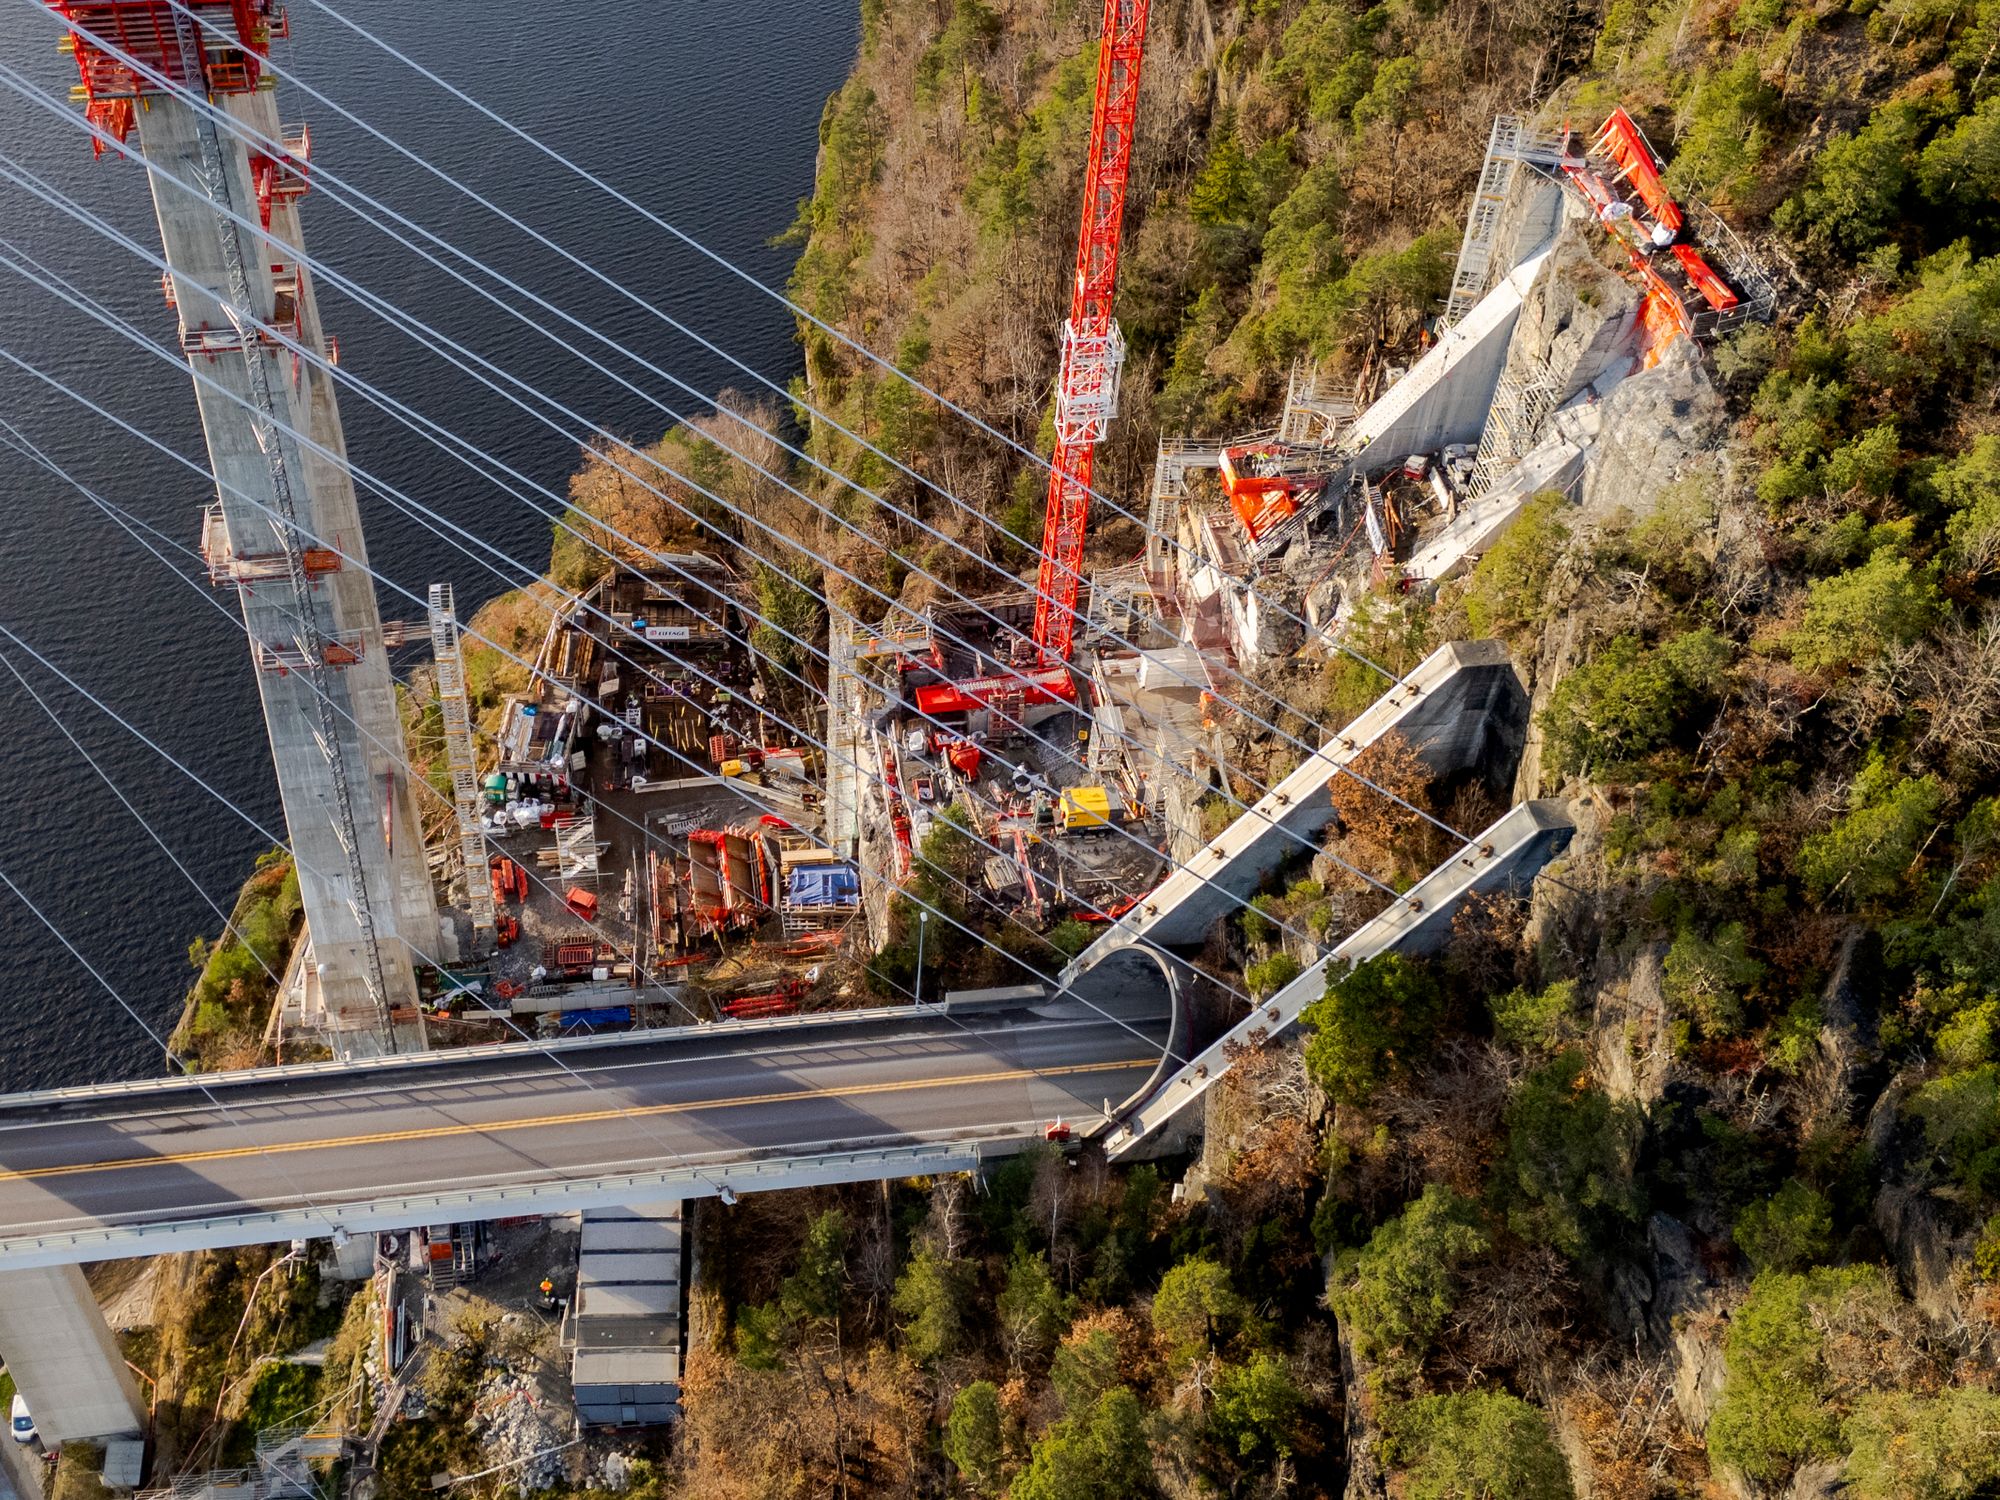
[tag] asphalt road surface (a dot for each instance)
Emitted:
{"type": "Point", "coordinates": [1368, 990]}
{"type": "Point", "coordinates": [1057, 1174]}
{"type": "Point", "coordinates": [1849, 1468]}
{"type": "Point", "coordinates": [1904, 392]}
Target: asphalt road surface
{"type": "Point", "coordinates": [271, 1142]}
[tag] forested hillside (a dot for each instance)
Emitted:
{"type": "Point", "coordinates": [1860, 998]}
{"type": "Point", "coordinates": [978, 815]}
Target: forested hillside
{"type": "Point", "coordinates": [1684, 1180]}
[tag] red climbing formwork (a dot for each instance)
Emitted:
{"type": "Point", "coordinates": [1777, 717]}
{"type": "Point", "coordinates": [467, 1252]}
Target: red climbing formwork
{"type": "Point", "coordinates": [1619, 177]}
{"type": "Point", "coordinates": [128, 49]}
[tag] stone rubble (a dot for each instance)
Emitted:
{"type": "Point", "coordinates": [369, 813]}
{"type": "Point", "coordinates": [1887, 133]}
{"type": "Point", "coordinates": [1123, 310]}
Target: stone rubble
{"type": "Point", "coordinates": [516, 1426]}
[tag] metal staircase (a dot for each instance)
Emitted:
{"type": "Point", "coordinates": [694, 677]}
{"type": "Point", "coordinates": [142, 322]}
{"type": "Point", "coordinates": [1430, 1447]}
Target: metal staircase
{"type": "Point", "coordinates": [285, 1456]}
{"type": "Point", "coordinates": [1510, 147]}
{"type": "Point", "coordinates": [1522, 402]}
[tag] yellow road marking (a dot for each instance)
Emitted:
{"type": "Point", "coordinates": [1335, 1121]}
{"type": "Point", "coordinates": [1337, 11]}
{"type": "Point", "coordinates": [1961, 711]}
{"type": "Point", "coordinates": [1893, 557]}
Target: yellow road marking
{"type": "Point", "coordinates": [590, 1117]}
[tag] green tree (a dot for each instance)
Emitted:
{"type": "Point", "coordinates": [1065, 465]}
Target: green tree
{"type": "Point", "coordinates": [1961, 167]}
{"type": "Point", "coordinates": [1850, 199]}
{"type": "Point", "coordinates": [1269, 975]}
{"type": "Point", "coordinates": [788, 613]}
{"type": "Point", "coordinates": [1868, 853]}
{"type": "Point", "coordinates": [1479, 1445]}
{"type": "Point", "coordinates": [1781, 1403]}
{"type": "Point", "coordinates": [1326, 58]}
{"type": "Point", "coordinates": [1725, 137]}
{"type": "Point", "coordinates": [1396, 91]}
{"type": "Point", "coordinates": [1787, 1232]}
{"type": "Point", "coordinates": [1085, 1367]}
{"type": "Point", "coordinates": [1911, 1447]}
{"type": "Point", "coordinates": [1544, 1021]}
{"type": "Point", "coordinates": [1099, 1455]}
{"type": "Point", "coordinates": [1857, 615]}
{"type": "Point", "coordinates": [1373, 1022]}
{"type": "Point", "coordinates": [972, 1437]}
{"type": "Point", "coordinates": [1197, 1309]}
{"type": "Point", "coordinates": [1509, 589]}
{"type": "Point", "coordinates": [1565, 1176]}
{"type": "Point", "coordinates": [1705, 977]}
{"type": "Point", "coordinates": [1628, 699]}
{"type": "Point", "coordinates": [1221, 193]}
{"type": "Point", "coordinates": [1304, 264]}
{"type": "Point", "coordinates": [1961, 1118]}
{"type": "Point", "coordinates": [1946, 328]}
{"type": "Point", "coordinates": [930, 1299]}
{"type": "Point", "coordinates": [1397, 1290]}
{"type": "Point", "coordinates": [1033, 1311]}
{"type": "Point", "coordinates": [1256, 1410]}
{"type": "Point", "coordinates": [1189, 383]}
{"type": "Point", "coordinates": [1970, 486]}
{"type": "Point", "coordinates": [812, 1293]}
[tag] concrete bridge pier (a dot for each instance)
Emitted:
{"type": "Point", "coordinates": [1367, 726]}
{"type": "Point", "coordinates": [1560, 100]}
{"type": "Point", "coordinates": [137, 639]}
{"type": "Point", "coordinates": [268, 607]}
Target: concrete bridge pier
{"type": "Point", "coordinates": [64, 1358]}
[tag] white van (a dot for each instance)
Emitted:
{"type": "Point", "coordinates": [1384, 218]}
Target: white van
{"type": "Point", "coordinates": [22, 1424]}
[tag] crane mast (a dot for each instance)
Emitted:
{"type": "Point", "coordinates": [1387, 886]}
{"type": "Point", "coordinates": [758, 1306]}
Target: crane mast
{"type": "Point", "coordinates": [1093, 350]}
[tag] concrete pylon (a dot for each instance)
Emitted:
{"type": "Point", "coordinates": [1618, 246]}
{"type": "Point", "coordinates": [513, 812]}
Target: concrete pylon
{"type": "Point", "coordinates": [349, 807]}
{"type": "Point", "coordinates": [64, 1358]}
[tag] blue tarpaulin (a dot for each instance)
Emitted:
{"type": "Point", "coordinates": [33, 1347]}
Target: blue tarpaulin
{"type": "Point", "coordinates": [824, 885]}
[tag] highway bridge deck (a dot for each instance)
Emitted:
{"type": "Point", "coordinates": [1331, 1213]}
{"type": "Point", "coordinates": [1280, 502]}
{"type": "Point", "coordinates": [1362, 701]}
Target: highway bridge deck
{"type": "Point", "coordinates": [260, 1155]}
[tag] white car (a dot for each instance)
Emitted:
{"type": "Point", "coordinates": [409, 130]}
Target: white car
{"type": "Point", "coordinates": [22, 1424]}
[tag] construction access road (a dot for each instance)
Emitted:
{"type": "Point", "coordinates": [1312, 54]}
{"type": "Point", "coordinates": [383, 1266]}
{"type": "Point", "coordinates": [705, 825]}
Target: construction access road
{"type": "Point", "coordinates": [331, 1149]}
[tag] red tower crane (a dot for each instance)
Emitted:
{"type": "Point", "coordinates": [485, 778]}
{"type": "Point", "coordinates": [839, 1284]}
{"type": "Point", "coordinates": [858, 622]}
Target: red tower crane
{"type": "Point", "coordinates": [1092, 348]}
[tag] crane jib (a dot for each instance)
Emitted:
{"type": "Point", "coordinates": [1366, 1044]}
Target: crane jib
{"type": "Point", "coordinates": [1093, 351]}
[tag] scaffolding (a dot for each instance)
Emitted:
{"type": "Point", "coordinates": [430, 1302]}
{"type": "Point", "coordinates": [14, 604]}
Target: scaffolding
{"type": "Point", "coordinates": [1522, 401]}
{"type": "Point", "coordinates": [283, 1469]}
{"type": "Point", "coordinates": [1509, 147]}
{"type": "Point", "coordinates": [1312, 416]}
{"type": "Point", "coordinates": [457, 712]}
{"type": "Point", "coordinates": [1170, 470]}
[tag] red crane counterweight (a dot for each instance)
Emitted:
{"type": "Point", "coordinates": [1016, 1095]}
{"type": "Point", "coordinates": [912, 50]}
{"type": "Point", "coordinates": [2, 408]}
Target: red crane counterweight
{"type": "Point", "coordinates": [1093, 351]}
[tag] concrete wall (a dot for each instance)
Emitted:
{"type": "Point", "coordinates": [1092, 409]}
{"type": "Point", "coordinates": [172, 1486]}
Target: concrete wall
{"type": "Point", "coordinates": [398, 883]}
{"type": "Point", "coordinates": [1445, 397]}
{"type": "Point", "coordinates": [1508, 855]}
{"type": "Point", "coordinates": [1556, 463]}
{"type": "Point", "coordinates": [1462, 709]}
{"type": "Point", "coordinates": [63, 1358]}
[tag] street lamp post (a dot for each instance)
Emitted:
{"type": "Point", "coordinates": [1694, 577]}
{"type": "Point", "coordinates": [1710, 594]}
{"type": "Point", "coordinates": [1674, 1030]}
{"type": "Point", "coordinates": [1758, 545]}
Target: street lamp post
{"type": "Point", "coordinates": [923, 927]}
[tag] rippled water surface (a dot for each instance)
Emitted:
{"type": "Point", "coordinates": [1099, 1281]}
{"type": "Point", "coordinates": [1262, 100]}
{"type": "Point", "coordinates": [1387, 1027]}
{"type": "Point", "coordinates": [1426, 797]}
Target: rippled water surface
{"type": "Point", "coordinates": [707, 114]}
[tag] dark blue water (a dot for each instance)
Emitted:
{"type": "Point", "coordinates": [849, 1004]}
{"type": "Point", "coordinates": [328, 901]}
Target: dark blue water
{"type": "Point", "coordinates": [707, 114]}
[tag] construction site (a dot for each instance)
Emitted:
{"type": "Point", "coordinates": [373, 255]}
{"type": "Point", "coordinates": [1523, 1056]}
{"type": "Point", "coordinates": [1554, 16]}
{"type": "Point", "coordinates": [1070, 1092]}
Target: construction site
{"type": "Point", "coordinates": [640, 842]}
{"type": "Point", "coordinates": [658, 848]}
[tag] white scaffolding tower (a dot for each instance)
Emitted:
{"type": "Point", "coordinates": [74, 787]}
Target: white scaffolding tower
{"type": "Point", "coordinates": [457, 712]}
{"type": "Point", "coordinates": [1509, 148]}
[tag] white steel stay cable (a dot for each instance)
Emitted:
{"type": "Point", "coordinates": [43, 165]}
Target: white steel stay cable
{"type": "Point", "coordinates": [9, 357]}
{"type": "Point", "coordinates": [115, 513]}
{"type": "Point", "coordinates": [741, 791]}
{"type": "Point", "coordinates": [486, 464]}
{"type": "Point", "coordinates": [1276, 606]}
{"type": "Point", "coordinates": [888, 367]}
{"type": "Point", "coordinates": [333, 187]}
{"type": "Point", "coordinates": [223, 916]}
{"type": "Point", "coordinates": [466, 359]}
{"type": "Point", "coordinates": [14, 438]}
{"type": "Point", "coordinates": [49, 281]}
{"type": "Point", "coordinates": [417, 778]}
{"type": "Point", "coordinates": [304, 1199]}
{"type": "Point", "coordinates": [250, 819]}
{"type": "Point", "coordinates": [132, 525]}
{"type": "Point", "coordinates": [714, 1176]}
{"type": "Point", "coordinates": [404, 321]}
{"type": "Point", "coordinates": [22, 444]}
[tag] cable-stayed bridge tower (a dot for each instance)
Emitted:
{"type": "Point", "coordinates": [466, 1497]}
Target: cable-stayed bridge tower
{"type": "Point", "coordinates": [284, 530]}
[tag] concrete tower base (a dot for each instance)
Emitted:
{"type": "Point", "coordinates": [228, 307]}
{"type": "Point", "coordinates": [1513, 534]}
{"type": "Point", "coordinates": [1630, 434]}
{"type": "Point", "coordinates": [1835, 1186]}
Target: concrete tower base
{"type": "Point", "coordinates": [63, 1357]}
